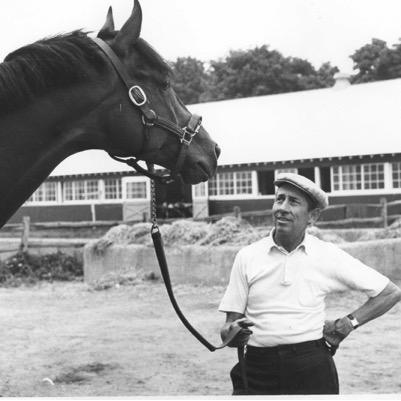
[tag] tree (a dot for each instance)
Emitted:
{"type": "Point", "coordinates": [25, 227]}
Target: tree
{"type": "Point", "coordinates": [245, 73]}
{"type": "Point", "coordinates": [189, 79]}
{"type": "Point", "coordinates": [367, 60]}
{"type": "Point", "coordinates": [376, 61]}
{"type": "Point", "coordinates": [261, 71]}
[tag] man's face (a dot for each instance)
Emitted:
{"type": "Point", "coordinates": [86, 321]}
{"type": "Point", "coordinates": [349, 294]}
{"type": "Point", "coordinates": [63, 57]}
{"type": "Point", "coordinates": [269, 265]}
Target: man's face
{"type": "Point", "coordinates": [291, 214]}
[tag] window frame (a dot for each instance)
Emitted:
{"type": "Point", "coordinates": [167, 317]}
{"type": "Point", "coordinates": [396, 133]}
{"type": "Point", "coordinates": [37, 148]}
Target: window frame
{"type": "Point", "coordinates": [35, 202]}
{"type": "Point", "coordinates": [387, 185]}
{"type": "Point", "coordinates": [128, 179]}
{"type": "Point", "coordinates": [235, 194]}
{"type": "Point", "coordinates": [99, 199]}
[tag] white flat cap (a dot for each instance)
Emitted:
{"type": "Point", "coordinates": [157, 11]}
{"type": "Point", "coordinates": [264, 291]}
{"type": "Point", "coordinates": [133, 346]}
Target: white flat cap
{"type": "Point", "coordinates": [305, 185]}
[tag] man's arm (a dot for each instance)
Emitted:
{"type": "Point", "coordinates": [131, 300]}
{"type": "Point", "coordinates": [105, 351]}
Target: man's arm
{"type": "Point", "coordinates": [233, 320]}
{"type": "Point", "coordinates": [335, 331]}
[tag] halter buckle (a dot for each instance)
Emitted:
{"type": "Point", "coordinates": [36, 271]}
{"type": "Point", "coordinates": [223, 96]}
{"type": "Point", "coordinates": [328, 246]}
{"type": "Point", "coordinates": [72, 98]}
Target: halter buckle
{"type": "Point", "coordinates": [137, 95]}
{"type": "Point", "coordinates": [189, 133]}
{"type": "Point", "coordinates": [187, 136]}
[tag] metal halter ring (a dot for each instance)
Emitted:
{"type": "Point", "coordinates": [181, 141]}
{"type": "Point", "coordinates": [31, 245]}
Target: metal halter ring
{"type": "Point", "coordinates": [147, 122]}
{"type": "Point", "coordinates": [137, 95]}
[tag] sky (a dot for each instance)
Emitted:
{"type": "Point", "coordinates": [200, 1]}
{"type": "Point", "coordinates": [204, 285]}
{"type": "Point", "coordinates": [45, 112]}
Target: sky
{"type": "Point", "coordinates": [316, 30]}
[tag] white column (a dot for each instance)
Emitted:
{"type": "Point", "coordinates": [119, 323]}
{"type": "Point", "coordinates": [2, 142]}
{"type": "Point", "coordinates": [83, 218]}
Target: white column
{"type": "Point", "coordinates": [318, 179]}
{"type": "Point", "coordinates": [255, 186]}
{"type": "Point", "coordinates": [388, 177]}
{"type": "Point", "coordinates": [60, 198]}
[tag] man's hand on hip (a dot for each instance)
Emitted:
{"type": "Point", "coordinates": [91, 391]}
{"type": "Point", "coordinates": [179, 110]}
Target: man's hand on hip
{"type": "Point", "coordinates": [335, 331]}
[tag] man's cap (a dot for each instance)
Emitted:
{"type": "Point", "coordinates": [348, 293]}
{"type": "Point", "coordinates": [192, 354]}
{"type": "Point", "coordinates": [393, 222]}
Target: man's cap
{"type": "Point", "coordinates": [313, 191]}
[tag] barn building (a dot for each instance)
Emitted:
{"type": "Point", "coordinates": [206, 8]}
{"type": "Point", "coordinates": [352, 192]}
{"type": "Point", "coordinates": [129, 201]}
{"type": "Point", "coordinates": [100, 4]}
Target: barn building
{"type": "Point", "coordinates": [346, 138]}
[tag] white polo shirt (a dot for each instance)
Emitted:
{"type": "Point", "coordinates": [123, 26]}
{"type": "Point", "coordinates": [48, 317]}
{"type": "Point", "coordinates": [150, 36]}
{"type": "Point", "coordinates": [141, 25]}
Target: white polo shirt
{"type": "Point", "coordinates": [283, 292]}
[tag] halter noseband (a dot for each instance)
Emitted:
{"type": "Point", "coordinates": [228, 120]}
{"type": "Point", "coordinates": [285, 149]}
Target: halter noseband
{"type": "Point", "coordinates": [150, 118]}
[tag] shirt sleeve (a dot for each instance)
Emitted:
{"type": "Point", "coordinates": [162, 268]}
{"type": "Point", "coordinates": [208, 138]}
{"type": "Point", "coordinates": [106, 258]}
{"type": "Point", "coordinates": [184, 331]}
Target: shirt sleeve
{"type": "Point", "coordinates": [236, 294]}
{"type": "Point", "coordinates": [351, 273]}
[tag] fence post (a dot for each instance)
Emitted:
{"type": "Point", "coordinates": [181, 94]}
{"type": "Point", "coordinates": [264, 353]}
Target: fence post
{"type": "Point", "coordinates": [383, 203]}
{"type": "Point", "coordinates": [25, 233]}
{"type": "Point", "coordinates": [237, 212]}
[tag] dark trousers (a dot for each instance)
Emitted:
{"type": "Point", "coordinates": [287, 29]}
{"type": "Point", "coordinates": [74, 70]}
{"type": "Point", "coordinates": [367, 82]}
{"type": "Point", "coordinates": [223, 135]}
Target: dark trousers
{"type": "Point", "coordinates": [303, 368]}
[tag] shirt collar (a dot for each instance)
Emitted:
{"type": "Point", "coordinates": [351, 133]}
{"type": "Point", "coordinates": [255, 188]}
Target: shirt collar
{"type": "Point", "coordinates": [304, 245]}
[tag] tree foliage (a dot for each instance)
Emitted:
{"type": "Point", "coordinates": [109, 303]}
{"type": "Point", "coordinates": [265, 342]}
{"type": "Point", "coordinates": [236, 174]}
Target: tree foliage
{"type": "Point", "coordinates": [375, 61]}
{"type": "Point", "coordinates": [244, 73]}
{"type": "Point", "coordinates": [190, 79]}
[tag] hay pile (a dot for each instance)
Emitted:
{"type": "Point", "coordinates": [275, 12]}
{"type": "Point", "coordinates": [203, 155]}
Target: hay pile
{"type": "Point", "coordinates": [228, 230]}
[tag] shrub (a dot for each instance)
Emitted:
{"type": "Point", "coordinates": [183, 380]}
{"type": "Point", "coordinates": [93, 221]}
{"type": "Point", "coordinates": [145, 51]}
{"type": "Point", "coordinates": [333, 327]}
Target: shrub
{"type": "Point", "coordinates": [26, 268]}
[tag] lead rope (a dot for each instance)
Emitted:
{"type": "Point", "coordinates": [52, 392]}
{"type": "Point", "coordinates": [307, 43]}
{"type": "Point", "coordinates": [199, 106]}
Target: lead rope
{"type": "Point", "coordinates": [161, 257]}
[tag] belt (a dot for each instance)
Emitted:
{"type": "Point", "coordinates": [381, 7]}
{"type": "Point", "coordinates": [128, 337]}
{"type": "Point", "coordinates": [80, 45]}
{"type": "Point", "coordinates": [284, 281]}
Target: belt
{"type": "Point", "coordinates": [297, 347]}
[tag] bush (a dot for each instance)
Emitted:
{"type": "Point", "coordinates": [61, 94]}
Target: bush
{"type": "Point", "coordinates": [26, 268]}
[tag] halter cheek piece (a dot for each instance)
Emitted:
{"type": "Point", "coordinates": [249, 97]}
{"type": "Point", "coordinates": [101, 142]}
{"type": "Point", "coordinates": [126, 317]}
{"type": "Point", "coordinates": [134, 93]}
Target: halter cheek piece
{"type": "Point", "coordinates": [149, 119]}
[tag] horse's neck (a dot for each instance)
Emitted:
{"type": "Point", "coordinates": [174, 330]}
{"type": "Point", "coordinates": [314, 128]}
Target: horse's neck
{"type": "Point", "coordinates": [33, 142]}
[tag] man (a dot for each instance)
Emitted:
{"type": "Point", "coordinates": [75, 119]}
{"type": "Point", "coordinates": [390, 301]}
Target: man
{"type": "Point", "coordinates": [278, 285]}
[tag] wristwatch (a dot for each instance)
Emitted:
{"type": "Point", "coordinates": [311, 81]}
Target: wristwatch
{"type": "Point", "coordinates": [354, 322]}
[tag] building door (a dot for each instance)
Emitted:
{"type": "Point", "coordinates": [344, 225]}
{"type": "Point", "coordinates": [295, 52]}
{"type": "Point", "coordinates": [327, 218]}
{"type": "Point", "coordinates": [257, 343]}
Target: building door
{"type": "Point", "coordinates": [136, 198]}
{"type": "Point", "coordinates": [200, 200]}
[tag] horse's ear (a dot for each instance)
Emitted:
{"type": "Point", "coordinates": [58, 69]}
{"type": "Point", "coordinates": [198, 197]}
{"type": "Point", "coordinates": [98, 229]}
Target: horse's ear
{"type": "Point", "coordinates": [108, 27]}
{"type": "Point", "coordinates": [131, 30]}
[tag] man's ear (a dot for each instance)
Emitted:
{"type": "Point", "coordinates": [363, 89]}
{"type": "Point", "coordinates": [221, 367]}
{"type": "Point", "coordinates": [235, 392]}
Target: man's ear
{"type": "Point", "coordinates": [314, 215]}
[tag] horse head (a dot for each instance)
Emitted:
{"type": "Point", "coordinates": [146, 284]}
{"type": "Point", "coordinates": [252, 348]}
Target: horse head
{"type": "Point", "coordinates": [63, 95]}
{"type": "Point", "coordinates": [160, 143]}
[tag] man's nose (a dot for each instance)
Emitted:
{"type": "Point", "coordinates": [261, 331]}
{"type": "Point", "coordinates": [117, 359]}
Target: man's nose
{"type": "Point", "coordinates": [284, 206]}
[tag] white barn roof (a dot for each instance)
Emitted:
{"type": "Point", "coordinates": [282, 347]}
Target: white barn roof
{"type": "Point", "coordinates": [346, 121]}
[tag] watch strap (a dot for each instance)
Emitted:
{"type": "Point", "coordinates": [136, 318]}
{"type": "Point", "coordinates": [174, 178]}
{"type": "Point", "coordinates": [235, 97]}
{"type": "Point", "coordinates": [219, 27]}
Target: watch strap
{"type": "Point", "coordinates": [354, 321]}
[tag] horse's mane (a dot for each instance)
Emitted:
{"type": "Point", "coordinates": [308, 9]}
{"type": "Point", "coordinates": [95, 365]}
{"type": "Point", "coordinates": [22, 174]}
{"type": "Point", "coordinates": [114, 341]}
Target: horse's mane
{"type": "Point", "coordinates": [62, 60]}
{"type": "Point", "coordinates": [47, 64]}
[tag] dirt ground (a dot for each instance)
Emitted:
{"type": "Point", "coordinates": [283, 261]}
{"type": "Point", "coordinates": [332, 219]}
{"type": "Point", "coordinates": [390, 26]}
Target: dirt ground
{"type": "Point", "coordinates": [64, 339]}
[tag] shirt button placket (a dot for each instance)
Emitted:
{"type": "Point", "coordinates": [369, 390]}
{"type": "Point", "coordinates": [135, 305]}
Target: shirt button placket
{"type": "Point", "coordinates": [285, 281]}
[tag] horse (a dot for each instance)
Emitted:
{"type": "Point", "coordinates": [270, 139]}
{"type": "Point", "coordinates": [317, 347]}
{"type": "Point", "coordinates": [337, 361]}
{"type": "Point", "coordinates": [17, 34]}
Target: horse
{"type": "Point", "coordinates": [62, 95]}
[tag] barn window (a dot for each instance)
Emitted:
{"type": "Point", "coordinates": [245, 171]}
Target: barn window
{"type": "Point", "coordinates": [47, 192]}
{"type": "Point", "coordinates": [396, 174]}
{"type": "Point", "coordinates": [112, 188]}
{"type": "Point", "coordinates": [81, 190]}
{"type": "Point", "coordinates": [358, 177]}
{"type": "Point", "coordinates": [243, 182]}
{"type": "Point", "coordinates": [232, 183]}
{"type": "Point", "coordinates": [136, 190]}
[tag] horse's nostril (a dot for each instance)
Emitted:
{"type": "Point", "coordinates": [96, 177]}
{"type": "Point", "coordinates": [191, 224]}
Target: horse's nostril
{"type": "Point", "coordinates": [217, 150]}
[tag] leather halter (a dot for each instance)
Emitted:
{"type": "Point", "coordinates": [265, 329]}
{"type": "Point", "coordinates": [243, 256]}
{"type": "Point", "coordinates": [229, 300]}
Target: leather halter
{"type": "Point", "coordinates": [150, 118]}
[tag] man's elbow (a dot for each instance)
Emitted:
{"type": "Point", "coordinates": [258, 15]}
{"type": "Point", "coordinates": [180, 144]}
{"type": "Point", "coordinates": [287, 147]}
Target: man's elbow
{"type": "Point", "coordinates": [395, 293]}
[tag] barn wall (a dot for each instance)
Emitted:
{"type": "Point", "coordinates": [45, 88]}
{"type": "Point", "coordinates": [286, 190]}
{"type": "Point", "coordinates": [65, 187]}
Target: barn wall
{"type": "Point", "coordinates": [53, 213]}
{"type": "Point", "coordinates": [68, 213]}
{"type": "Point", "coordinates": [227, 206]}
